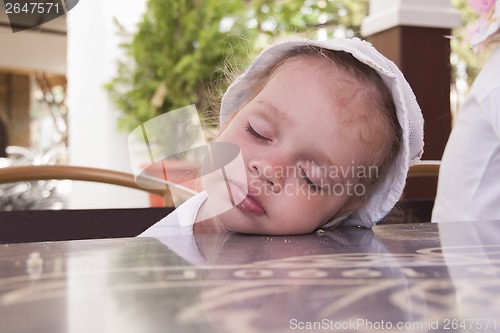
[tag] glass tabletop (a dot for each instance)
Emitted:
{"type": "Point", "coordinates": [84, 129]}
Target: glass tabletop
{"type": "Point", "coordinates": [394, 278]}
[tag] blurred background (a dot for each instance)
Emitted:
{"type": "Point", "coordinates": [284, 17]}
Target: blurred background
{"type": "Point", "coordinates": [72, 89]}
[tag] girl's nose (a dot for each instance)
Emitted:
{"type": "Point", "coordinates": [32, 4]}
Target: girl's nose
{"type": "Point", "coordinates": [270, 173]}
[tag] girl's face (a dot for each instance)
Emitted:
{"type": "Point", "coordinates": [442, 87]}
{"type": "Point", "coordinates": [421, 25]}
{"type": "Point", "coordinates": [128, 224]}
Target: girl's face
{"type": "Point", "coordinates": [304, 141]}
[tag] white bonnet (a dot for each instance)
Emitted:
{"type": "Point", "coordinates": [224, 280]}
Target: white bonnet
{"type": "Point", "coordinates": [389, 190]}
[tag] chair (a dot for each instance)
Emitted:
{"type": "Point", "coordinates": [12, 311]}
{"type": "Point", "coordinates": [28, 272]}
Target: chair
{"type": "Point", "coordinates": [426, 168]}
{"type": "Point", "coordinates": [46, 225]}
{"type": "Point", "coordinates": [47, 172]}
{"type": "Point", "coordinates": [415, 210]}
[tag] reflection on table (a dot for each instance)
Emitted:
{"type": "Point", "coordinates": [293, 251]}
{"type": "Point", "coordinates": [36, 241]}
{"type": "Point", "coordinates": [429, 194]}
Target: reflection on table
{"type": "Point", "coordinates": [395, 278]}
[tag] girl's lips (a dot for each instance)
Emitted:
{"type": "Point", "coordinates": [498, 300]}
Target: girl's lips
{"type": "Point", "coordinates": [244, 201]}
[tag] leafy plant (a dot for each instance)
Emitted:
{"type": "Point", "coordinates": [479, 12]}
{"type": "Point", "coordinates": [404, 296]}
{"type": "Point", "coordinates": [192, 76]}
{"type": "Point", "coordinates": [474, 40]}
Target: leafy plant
{"type": "Point", "coordinates": [183, 49]}
{"type": "Point", "coordinates": [176, 58]}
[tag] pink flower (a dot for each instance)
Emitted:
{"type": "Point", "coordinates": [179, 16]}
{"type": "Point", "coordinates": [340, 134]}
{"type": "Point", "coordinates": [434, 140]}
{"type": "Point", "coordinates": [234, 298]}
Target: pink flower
{"type": "Point", "coordinates": [481, 6]}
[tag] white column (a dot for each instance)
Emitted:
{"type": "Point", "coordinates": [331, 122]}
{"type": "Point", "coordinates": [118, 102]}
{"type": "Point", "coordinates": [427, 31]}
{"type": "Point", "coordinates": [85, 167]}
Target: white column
{"type": "Point", "coordinates": [386, 14]}
{"type": "Point", "coordinates": [94, 139]}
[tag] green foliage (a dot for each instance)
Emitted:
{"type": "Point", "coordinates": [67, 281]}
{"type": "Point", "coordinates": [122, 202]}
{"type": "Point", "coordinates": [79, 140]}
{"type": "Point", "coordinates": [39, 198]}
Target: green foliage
{"type": "Point", "coordinates": [466, 63]}
{"type": "Point", "coordinates": [178, 52]}
{"type": "Point", "coordinates": [183, 49]}
{"type": "Point", "coordinates": [306, 17]}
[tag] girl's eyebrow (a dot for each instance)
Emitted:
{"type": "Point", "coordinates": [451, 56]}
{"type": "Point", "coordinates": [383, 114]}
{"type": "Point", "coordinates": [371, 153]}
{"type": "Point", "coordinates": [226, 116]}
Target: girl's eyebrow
{"type": "Point", "coordinates": [277, 113]}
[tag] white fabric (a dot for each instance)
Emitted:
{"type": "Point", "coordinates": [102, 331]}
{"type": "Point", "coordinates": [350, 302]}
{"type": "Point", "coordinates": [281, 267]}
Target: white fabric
{"type": "Point", "coordinates": [170, 230]}
{"type": "Point", "coordinates": [408, 112]}
{"type": "Point", "coordinates": [180, 221]}
{"type": "Point", "coordinates": [469, 178]}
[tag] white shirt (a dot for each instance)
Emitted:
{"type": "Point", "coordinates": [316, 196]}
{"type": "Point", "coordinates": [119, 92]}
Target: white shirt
{"type": "Point", "coordinates": [176, 229]}
{"type": "Point", "coordinates": [469, 178]}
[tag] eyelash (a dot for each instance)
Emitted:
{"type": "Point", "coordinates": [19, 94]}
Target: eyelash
{"type": "Point", "coordinates": [309, 181]}
{"type": "Point", "coordinates": [255, 134]}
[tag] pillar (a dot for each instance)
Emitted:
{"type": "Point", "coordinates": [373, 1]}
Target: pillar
{"type": "Point", "coordinates": [413, 34]}
{"type": "Point", "coordinates": [94, 137]}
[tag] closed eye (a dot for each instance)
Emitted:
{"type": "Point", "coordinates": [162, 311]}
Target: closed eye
{"type": "Point", "coordinates": [309, 182]}
{"type": "Point", "coordinates": [255, 134]}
